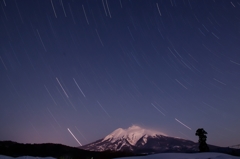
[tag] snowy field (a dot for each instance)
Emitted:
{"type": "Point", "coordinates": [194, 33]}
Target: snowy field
{"type": "Point", "coordinates": [159, 156]}
{"type": "Point", "coordinates": [186, 156]}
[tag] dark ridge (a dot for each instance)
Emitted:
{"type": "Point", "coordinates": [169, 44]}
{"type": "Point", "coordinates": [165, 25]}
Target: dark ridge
{"type": "Point", "coordinates": [14, 149]}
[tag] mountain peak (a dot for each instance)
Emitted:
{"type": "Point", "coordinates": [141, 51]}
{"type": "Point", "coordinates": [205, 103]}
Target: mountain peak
{"type": "Point", "coordinates": [134, 127]}
{"type": "Point", "coordinates": [132, 134]}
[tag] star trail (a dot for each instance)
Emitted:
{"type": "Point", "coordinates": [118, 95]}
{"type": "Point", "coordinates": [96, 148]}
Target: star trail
{"type": "Point", "coordinates": [88, 67]}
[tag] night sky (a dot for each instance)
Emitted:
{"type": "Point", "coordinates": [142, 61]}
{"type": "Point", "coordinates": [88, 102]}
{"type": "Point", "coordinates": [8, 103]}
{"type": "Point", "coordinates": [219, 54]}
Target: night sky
{"type": "Point", "coordinates": [88, 67]}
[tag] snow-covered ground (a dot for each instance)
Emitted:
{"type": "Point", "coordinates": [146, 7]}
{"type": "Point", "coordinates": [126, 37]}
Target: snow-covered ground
{"type": "Point", "coordinates": [158, 156]}
{"type": "Point", "coordinates": [186, 156]}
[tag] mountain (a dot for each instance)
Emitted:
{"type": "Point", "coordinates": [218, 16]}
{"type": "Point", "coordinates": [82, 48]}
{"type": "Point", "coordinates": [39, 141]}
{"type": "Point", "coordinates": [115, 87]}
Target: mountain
{"type": "Point", "coordinates": [142, 141]}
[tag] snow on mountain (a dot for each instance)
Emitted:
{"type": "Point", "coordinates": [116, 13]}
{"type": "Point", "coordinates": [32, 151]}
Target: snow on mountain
{"type": "Point", "coordinates": [132, 134]}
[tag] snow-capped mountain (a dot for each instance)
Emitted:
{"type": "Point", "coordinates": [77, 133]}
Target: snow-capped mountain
{"type": "Point", "coordinates": [140, 140]}
{"type": "Point", "coordinates": [131, 135]}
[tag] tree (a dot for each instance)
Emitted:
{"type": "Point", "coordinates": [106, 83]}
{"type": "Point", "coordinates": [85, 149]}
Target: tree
{"type": "Point", "coordinates": [203, 147]}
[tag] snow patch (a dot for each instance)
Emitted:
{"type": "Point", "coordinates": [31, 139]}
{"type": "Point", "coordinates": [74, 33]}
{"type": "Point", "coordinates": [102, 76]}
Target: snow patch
{"type": "Point", "coordinates": [145, 139]}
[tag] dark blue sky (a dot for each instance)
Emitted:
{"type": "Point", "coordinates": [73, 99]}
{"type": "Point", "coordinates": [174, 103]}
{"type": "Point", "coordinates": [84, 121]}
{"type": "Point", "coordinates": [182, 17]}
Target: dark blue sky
{"type": "Point", "coordinates": [97, 65]}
